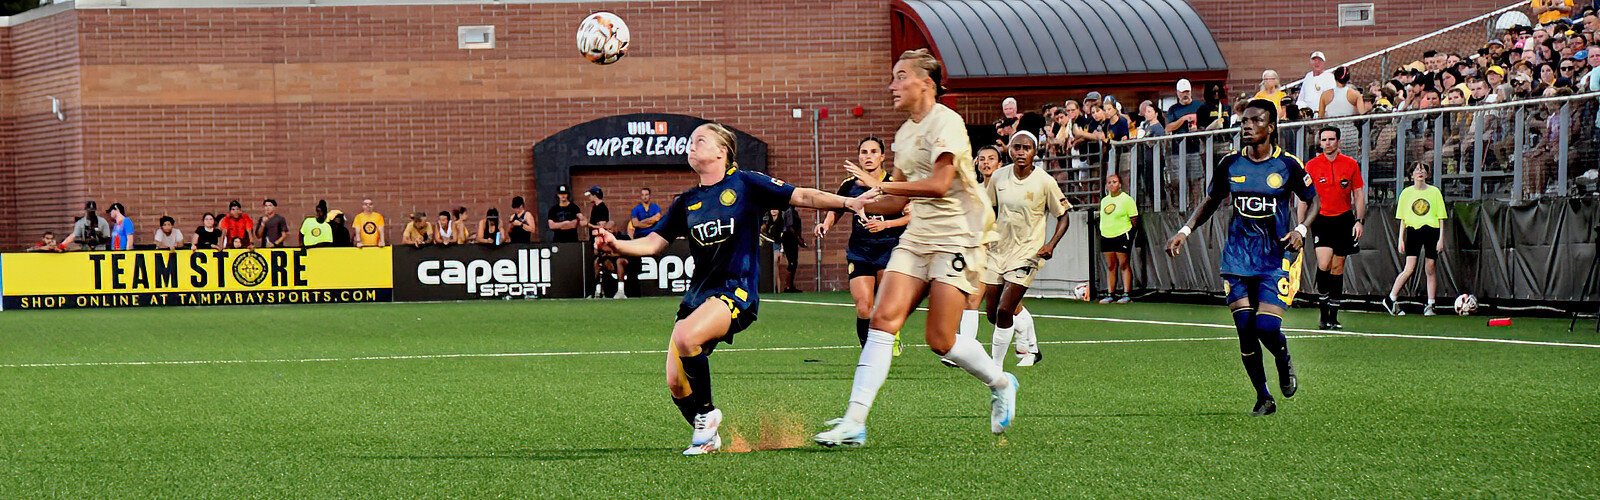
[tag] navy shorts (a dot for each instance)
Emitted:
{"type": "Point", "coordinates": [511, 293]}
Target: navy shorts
{"type": "Point", "coordinates": [741, 318]}
{"type": "Point", "coordinates": [1277, 288]}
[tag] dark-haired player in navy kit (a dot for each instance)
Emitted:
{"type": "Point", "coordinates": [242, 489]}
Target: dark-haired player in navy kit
{"type": "Point", "coordinates": [872, 238]}
{"type": "Point", "coordinates": [721, 219]}
{"type": "Point", "coordinates": [1261, 259]}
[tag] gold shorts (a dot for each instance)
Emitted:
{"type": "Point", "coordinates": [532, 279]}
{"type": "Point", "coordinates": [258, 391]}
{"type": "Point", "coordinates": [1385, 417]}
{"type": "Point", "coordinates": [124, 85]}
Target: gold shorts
{"type": "Point", "coordinates": [961, 270]}
{"type": "Point", "coordinates": [1020, 274]}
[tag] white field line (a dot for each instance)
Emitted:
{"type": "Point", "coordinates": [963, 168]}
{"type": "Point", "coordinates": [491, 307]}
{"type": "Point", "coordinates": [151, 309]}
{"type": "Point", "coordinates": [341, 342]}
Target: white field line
{"type": "Point", "coordinates": [1230, 327]}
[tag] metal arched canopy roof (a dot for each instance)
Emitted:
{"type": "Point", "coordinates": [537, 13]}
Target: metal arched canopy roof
{"type": "Point", "coordinates": [1045, 38]}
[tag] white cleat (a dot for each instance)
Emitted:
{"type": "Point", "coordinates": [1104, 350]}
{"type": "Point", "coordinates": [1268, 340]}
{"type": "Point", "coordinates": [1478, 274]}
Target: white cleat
{"type": "Point", "coordinates": [1003, 406]}
{"type": "Point", "coordinates": [1027, 359]}
{"type": "Point", "coordinates": [706, 439]}
{"type": "Point", "coordinates": [845, 432]}
{"type": "Point", "coordinates": [708, 447]}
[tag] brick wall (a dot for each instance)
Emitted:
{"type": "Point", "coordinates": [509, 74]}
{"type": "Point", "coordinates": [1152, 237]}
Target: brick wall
{"type": "Point", "coordinates": [177, 111]}
{"type": "Point", "coordinates": [43, 156]}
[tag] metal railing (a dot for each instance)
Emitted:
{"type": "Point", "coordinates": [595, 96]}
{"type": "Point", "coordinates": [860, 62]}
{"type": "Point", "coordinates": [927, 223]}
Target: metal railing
{"type": "Point", "coordinates": [1509, 151]}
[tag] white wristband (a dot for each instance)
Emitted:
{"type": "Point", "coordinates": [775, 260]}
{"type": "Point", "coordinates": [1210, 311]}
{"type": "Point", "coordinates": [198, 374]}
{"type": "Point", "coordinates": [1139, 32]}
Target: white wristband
{"type": "Point", "coordinates": [1185, 230]}
{"type": "Point", "coordinates": [1301, 229]}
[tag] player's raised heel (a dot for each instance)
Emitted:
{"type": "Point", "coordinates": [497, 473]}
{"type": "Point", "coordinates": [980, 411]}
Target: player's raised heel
{"type": "Point", "coordinates": [845, 432]}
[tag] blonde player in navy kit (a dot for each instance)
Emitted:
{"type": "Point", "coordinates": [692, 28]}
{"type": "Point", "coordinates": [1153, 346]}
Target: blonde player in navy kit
{"type": "Point", "coordinates": [720, 217]}
{"type": "Point", "coordinates": [1261, 259]}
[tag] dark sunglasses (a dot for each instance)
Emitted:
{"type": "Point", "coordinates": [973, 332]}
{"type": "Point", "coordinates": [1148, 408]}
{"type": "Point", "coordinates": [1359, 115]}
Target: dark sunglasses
{"type": "Point", "coordinates": [1568, 68]}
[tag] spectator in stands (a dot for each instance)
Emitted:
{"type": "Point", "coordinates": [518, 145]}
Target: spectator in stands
{"type": "Point", "coordinates": [1590, 82]}
{"type": "Point", "coordinates": [1007, 124]}
{"type": "Point", "coordinates": [489, 228]}
{"type": "Point", "coordinates": [1183, 115]}
{"type": "Point", "coordinates": [444, 230]}
{"type": "Point", "coordinates": [272, 229]}
{"type": "Point", "coordinates": [1521, 87]}
{"type": "Point", "coordinates": [463, 226]}
{"type": "Point", "coordinates": [207, 236]}
{"type": "Point", "coordinates": [236, 226]}
{"type": "Point", "coordinates": [47, 244]}
{"type": "Point", "coordinates": [1542, 157]}
{"type": "Point", "coordinates": [1090, 102]}
{"type": "Point", "coordinates": [1213, 113]}
{"type": "Point", "coordinates": [1547, 75]}
{"type": "Point", "coordinates": [1116, 125]}
{"type": "Point", "coordinates": [1268, 89]}
{"type": "Point", "coordinates": [642, 219]}
{"type": "Point", "coordinates": [1153, 123]}
{"type": "Point", "coordinates": [1448, 78]}
{"type": "Point", "coordinates": [563, 217]}
{"type": "Point", "coordinates": [1569, 69]}
{"type": "Point", "coordinates": [1548, 11]}
{"type": "Point", "coordinates": [519, 227]}
{"type": "Point", "coordinates": [370, 230]}
{"type": "Point", "coordinates": [1456, 96]}
{"type": "Point", "coordinates": [418, 232]}
{"type": "Point", "coordinates": [90, 232]}
{"type": "Point", "coordinates": [121, 228]}
{"type": "Point", "coordinates": [1315, 83]}
{"type": "Point", "coordinates": [340, 231]}
{"type": "Point", "coordinates": [1496, 79]}
{"type": "Point", "coordinates": [315, 231]}
{"type": "Point", "coordinates": [1480, 92]}
{"type": "Point", "coordinates": [168, 237]}
{"type": "Point", "coordinates": [1059, 140]}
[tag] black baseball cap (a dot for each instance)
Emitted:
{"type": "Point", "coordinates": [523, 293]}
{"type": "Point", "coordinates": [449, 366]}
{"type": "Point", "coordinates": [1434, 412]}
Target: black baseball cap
{"type": "Point", "coordinates": [90, 205]}
{"type": "Point", "coordinates": [562, 189]}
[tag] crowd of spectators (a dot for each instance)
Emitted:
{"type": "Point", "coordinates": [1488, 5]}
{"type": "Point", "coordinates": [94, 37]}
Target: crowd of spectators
{"type": "Point", "coordinates": [113, 229]}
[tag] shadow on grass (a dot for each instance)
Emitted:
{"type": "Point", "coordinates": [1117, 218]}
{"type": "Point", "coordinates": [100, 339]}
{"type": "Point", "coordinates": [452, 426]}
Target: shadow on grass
{"type": "Point", "coordinates": [1095, 415]}
{"type": "Point", "coordinates": [540, 455]}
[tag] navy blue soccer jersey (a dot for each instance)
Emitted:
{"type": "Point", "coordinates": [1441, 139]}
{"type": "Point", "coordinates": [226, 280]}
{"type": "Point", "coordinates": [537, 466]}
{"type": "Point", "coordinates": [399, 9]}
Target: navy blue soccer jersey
{"type": "Point", "coordinates": [865, 245]}
{"type": "Point", "coordinates": [723, 225]}
{"type": "Point", "coordinates": [1263, 209]}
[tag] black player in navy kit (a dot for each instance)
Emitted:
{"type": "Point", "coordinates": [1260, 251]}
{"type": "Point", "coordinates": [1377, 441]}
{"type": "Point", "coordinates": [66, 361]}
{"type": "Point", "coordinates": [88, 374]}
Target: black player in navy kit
{"type": "Point", "coordinates": [721, 219]}
{"type": "Point", "coordinates": [1261, 259]}
{"type": "Point", "coordinates": [872, 237]}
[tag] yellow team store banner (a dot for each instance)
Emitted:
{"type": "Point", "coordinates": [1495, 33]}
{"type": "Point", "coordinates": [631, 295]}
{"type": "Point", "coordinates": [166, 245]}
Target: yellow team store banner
{"type": "Point", "coordinates": [196, 278]}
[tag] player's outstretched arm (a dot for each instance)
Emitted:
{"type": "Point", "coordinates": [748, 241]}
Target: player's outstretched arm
{"type": "Point", "coordinates": [607, 243]}
{"type": "Point", "coordinates": [934, 186]}
{"type": "Point", "coordinates": [823, 200]}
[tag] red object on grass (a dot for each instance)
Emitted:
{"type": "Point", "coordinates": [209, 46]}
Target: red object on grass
{"type": "Point", "coordinates": [1500, 322]}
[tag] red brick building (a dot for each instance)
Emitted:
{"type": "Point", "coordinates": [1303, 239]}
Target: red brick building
{"type": "Point", "coordinates": [174, 110]}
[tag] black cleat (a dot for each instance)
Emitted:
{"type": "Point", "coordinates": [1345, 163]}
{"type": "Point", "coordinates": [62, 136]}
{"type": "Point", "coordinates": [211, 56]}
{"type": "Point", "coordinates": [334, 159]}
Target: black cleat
{"type": "Point", "coordinates": [1264, 407]}
{"type": "Point", "coordinates": [1288, 382]}
{"type": "Point", "coordinates": [1324, 326]}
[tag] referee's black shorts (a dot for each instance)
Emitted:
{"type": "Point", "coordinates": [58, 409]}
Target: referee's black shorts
{"type": "Point", "coordinates": [1336, 232]}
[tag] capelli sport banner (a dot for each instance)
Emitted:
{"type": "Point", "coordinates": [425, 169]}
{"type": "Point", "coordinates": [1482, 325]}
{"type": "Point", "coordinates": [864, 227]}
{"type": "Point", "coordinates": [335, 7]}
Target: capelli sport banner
{"type": "Point", "coordinates": [197, 278]}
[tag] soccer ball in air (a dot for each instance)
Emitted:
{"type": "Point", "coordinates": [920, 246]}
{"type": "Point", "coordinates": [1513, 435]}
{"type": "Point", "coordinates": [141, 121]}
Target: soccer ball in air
{"type": "Point", "coordinates": [603, 38]}
{"type": "Point", "coordinates": [1466, 304]}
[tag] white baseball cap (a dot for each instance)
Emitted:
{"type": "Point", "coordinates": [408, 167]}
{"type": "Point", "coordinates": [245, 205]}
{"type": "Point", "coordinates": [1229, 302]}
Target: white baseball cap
{"type": "Point", "coordinates": [1183, 85]}
{"type": "Point", "coordinates": [1318, 55]}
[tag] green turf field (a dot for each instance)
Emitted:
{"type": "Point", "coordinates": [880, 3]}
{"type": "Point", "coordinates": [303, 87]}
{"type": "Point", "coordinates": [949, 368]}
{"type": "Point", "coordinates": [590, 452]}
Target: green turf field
{"type": "Point", "coordinates": [300, 414]}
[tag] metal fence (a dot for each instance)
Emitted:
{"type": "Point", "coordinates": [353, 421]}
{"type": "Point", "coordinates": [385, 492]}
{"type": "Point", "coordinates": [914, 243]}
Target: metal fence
{"type": "Point", "coordinates": [1463, 38]}
{"type": "Point", "coordinates": [1510, 151]}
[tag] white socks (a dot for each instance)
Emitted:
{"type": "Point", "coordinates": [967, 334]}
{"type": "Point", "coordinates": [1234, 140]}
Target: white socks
{"type": "Point", "coordinates": [871, 370]}
{"type": "Point", "coordinates": [969, 324]}
{"type": "Point", "coordinates": [1027, 341]}
{"type": "Point", "coordinates": [999, 343]}
{"type": "Point", "coordinates": [968, 354]}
